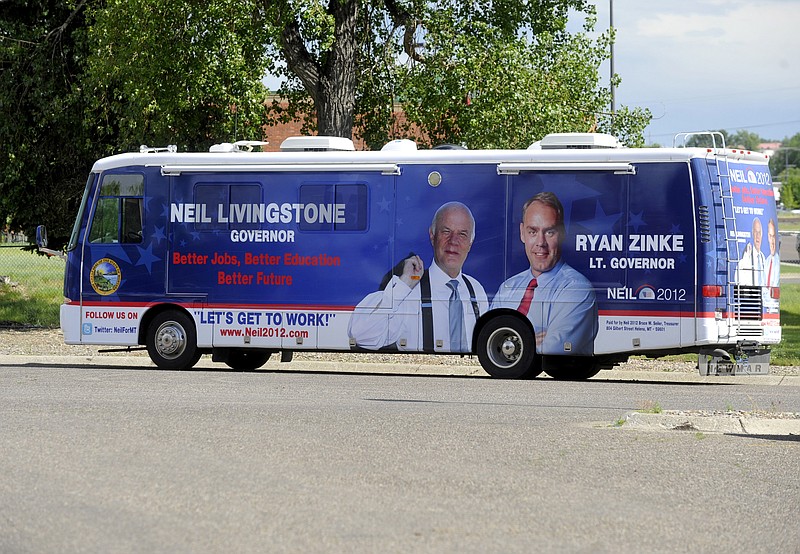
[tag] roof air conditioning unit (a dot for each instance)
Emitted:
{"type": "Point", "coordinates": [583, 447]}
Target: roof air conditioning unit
{"type": "Point", "coordinates": [317, 144]}
{"type": "Point", "coordinates": [561, 141]}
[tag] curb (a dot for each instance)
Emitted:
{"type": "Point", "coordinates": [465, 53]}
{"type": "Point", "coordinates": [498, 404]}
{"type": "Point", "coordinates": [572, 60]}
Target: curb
{"type": "Point", "coordinates": [733, 423]}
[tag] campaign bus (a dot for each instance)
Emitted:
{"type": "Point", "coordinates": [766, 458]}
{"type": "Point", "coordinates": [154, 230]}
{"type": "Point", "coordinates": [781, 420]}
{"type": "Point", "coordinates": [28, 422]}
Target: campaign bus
{"type": "Point", "coordinates": [566, 258]}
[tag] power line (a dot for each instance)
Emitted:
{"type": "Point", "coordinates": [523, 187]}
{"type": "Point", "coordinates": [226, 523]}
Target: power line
{"type": "Point", "coordinates": [730, 127]}
{"type": "Point", "coordinates": [714, 96]}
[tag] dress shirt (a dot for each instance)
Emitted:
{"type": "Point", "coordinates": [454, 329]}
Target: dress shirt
{"type": "Point", "coordinates": [751, 270]}
{"type": "Point", "coordinates": [564, 307]}
{"type": "Point", "coordinates": [384, 318]}
{"type": "Point", "coordinates": [772, 275]}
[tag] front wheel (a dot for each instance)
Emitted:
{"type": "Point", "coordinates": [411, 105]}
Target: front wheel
{"type": "Point", "coordinates": [172, 341]}
{"type": "Point", "coordinates": [507, 349]}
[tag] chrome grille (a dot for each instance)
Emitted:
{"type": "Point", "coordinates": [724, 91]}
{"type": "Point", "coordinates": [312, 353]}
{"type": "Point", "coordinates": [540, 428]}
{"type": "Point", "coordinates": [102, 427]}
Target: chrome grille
{"type": "Point", "coordinates": [746, 304]}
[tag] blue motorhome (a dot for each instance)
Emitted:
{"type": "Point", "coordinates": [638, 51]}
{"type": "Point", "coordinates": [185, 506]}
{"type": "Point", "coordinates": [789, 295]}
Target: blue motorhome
{"type": "Point", "coordinates": [567, 257]}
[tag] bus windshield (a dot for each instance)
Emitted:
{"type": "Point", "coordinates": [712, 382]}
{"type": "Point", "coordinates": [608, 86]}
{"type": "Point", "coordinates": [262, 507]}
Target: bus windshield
{"type": "Point", "coordinates": [73, 239]}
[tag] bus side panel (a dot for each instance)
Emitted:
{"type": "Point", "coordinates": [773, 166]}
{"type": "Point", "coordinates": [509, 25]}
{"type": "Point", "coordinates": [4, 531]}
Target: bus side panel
{"type": "Point", "coordinates": [631, 236]}
{"type": "Point", "coordinates": [282, 257]}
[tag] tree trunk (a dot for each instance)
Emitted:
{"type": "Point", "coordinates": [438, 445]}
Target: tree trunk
{"type": "Point", "coordinates": [331, 82]}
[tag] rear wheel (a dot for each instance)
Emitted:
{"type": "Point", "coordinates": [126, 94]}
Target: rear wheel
{"type": "Point", "coordinates": [172, 341]}
{"type": "Point", "coordinates": [246, 360]}
{"type": "Point", "coordinates": [506, 349]}
{"type": "Point", "coordinates": [571, 368]}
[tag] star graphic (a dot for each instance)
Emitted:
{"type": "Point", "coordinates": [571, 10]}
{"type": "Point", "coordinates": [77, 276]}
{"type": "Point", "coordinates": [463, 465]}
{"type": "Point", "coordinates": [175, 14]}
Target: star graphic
{"type": "Point", "coordinates": [384, 205]}
{"type": "Point", "coordinates": [158, 235]}
{"type": "Point", "coordinates": [636, 221]}
{"type": "Point", "coordinates": [146, 257]}
{"type": "Point", "coordinates": [601, 222]}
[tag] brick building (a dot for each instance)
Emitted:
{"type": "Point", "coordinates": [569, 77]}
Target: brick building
{"type": "Point", "coordinates": [276, 134]}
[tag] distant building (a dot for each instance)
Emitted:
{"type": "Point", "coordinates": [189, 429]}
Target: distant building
{"type": "Point", "coordinates": [769, 148]}
{"type": "Point", "coordinates": [276, 134]}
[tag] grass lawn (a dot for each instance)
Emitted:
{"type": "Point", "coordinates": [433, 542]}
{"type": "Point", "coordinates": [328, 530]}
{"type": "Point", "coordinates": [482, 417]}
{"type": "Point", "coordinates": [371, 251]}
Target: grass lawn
{"type": "Point", "coordinates": [35, 295]}
{"type": "Point", "coordinates": [34, 290]}
{"type": "Point", "coordinates": [788, 221]}
{"type": "Point", "coordinates": [788, 351]}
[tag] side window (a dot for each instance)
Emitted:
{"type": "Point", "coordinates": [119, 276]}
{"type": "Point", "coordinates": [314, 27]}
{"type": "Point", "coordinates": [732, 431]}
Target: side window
{"type": "Point", "coordinates": [339, 207]}
{"type": "Point", "coordinates": [118, 216]}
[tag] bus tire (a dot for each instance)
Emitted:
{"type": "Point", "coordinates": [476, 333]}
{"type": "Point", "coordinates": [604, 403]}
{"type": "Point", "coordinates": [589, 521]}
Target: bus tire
{"type": "Point", "coordinates": [245, 359]}
{"type": "Point", "coordinates": [506, 348]}
{"type": "Point", "coordinates": [172, 341]}
{"type": "Point", "coordinates": [571, 368]}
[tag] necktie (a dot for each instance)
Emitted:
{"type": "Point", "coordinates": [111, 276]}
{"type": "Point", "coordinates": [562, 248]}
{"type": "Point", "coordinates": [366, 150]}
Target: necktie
{"type": "Point", "coordinates": [456, 312]}
{"type": "Point", "coordinates": [525, 304]}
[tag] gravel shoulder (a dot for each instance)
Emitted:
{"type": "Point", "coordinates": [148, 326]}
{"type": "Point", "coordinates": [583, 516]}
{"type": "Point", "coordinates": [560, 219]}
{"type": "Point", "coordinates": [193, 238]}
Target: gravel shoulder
{"type": "Point", "coordinates": [50, 342]}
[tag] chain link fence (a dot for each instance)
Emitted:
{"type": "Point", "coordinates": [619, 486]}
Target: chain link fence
{"type": "Point", "coordinates": [30, 285]}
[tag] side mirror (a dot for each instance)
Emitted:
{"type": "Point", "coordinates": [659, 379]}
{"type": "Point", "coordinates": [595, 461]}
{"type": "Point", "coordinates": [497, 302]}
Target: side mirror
{"type": "Point", "coordinates": [41, 236]}
{"type": "Point", "coordinates": [41, 242]}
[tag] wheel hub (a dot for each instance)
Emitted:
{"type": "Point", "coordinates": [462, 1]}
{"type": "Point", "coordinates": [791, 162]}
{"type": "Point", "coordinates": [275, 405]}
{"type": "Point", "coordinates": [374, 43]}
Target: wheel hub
{"type": "Point", "coordinates": [170, 341]}
{"type": "Point", "coordinates": [508, 348]}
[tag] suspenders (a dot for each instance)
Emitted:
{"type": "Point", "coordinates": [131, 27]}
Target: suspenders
{"type": "Point", "coordinates": [427, 309]}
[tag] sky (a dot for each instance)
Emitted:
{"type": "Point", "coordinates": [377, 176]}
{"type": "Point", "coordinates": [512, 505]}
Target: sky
{"type": "Point", "coordinates": [708, 64]}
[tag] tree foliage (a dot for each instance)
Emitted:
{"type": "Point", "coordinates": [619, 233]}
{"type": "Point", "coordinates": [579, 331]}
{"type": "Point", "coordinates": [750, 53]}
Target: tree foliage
{"type": "Point", "coordinates": [43, 163]}
{"type": "Point", "coordinates": [480, 85]}
{"type": "Point", "coordinates": [85, 78]}
{"type": "Point", "coordinates": [185, 73]}
{"type": "Point", "coordinates": [786, 157]}
{"type": "Point", "coordinates": [484, 73]}
{"type": "Point", "coordinates": [790, 189]}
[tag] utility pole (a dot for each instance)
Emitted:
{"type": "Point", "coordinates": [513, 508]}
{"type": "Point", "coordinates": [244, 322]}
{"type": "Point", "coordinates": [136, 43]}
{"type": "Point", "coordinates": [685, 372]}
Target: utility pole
{"type": "Point", "coordinates": [613, 88]}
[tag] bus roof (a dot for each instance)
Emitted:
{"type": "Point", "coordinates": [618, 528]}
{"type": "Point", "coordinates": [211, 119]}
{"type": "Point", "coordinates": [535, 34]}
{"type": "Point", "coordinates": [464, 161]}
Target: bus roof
{"type": "Point", "coordinates": [352, 160]}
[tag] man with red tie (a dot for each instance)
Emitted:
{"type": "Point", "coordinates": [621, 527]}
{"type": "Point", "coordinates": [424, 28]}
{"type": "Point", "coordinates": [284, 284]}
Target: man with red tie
{"type": "Point", "coordinates": [557, 299]}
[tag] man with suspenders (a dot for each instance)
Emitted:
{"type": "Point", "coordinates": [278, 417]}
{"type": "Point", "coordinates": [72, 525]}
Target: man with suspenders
{"type": "Point", "coordinates": [429, 310]}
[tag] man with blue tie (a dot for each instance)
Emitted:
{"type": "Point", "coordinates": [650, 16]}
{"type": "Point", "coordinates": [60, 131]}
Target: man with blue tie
{"type": "Point", "coordinates": [431, 310]}
{"type": "Point", "coordinates": [559, 301]}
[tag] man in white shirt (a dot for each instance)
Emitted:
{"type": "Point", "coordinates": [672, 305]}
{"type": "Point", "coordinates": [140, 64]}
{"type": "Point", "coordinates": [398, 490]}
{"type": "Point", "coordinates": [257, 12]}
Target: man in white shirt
{"type": "Point", "coordinates": [433, 310]}
{"type": "Point", "coordinates": [750, 270]}
{"type": "Point", "coordinates": [772, 264]}
{"type": "Point", "coordinates": [772, 269]}
{"type": "Point", "coordinates": [558, 300]}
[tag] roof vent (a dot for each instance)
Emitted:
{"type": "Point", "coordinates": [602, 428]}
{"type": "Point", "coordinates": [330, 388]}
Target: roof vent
{"type": "Point", "coordinates": [238, 146]}
{"type": "Point", "coordinates": [399, 145]}
{"type": "Point", "coordinates": [561, 141]}
{"type": "Point", "coordinates": [317, 144]}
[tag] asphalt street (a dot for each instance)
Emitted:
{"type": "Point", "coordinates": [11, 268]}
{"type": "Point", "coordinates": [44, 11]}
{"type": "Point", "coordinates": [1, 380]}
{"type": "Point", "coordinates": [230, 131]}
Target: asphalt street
{"type": "Point", "coordinates": [104, 455]}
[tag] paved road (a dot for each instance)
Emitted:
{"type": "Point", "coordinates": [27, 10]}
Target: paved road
{"type": "Point", "coordinates": [788, 247]}
{"type": "Point", "coordinates": [99, 459]}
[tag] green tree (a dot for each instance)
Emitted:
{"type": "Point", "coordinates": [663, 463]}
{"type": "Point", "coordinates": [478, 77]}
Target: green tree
{"type": "Point", "coordinates": [790, 189]}
{"type": "Point", "coordinates": [786, 157]}
{"type": "Point", "coordinates": [185, 73]}
{"type": "Point", "coordinates": [476, 83]}
{"type": "Point", "coordinates": [46, 151]}
{"type": "Point", "coordinates": [362, 57]}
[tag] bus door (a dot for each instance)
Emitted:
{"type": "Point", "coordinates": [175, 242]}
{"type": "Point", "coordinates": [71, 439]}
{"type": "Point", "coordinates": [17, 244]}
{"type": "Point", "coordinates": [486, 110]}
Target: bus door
{"type": "Point", "coordinates": [578, 318]}
{"type": "Point", "coordinates": [118, 261]}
